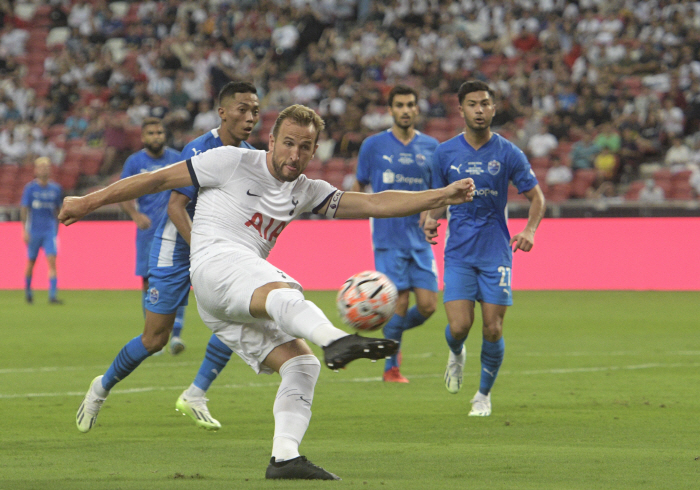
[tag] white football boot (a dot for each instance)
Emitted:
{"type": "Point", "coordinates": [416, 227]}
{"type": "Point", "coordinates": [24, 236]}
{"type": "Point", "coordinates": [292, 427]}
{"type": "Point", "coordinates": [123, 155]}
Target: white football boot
{"type": "Point", "coordinates": [481, 405]}
{"type": "Point", "coordinates": [196, 409]}
{"type": "Point", "coordinates": [453, 373]}
{"type": "Point", "coordinates": [88, 410]}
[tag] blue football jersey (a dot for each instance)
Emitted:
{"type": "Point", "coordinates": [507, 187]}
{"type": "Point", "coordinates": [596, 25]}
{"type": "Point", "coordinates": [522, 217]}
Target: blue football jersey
{"type": "Point", "coordinates": [43, 203]}
{"type": "Point", "coordinates": [386, 163]}
{"type": "Point", "coordinates": [477, 231]}
{"type": "Point", "coordinates": [152, 205]}
{"type": "Point", "coordinates": [169, 247]}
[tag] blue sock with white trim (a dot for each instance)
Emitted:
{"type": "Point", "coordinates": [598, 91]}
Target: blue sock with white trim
{"type": "Point", "coordinates": [491, 360]}
{"type": "Point", "coordinates": [215, 359]}
{"type": "Point", "coordinates": [52, 287]}
{"type": "Point", "coordinates": [128, 359]}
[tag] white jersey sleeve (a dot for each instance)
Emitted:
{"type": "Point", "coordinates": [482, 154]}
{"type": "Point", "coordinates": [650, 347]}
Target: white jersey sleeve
{"type": "Point", "coordinates": [215, 167]}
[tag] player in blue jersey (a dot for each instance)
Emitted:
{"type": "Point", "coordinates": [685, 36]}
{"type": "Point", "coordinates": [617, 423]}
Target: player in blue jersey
{"type": "Point", "coordinates": [478, 254]}
{"type": "Point", "coordinates": [169, 278]}
{"type": "Point", "coordinates": [150, 208]}
{"type": "Point", "coordinates": [399, 158]}
{"type": "Point", "coordinates": [41, 201]}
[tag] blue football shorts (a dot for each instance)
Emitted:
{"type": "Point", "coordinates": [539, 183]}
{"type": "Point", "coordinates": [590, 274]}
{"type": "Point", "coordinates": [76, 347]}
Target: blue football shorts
{"type": "Point", "coordinates": [168, 288]}
{"type": "Point", "coordinates": [488, 284]}
{"type": "Point", "coordinates": [46, 241]}
{"type": "Point", "coordinates": [143, 252]}
{"type": "Point", "coordinates": [408, 268]}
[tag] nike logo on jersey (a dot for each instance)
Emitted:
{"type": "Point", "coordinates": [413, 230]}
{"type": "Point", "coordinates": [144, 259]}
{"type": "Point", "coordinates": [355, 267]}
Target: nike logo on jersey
{"type": "Point", "coordinates": [389, 158]}
{"type": "Point", "coordinates": [251, 194]}
{"type": "Point", "coordinates": [452, 167]}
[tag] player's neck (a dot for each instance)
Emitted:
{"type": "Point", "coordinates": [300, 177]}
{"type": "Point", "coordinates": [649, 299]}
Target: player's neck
{"type": "Point", "coordinates": [43, 182]}
{"type": "Point", "coordinates": [155, 155]}
{"type": "Point", "coordinates": [477, 139]}
{"type": "Point", "coordinates": [404, 135]}
{"type": "Point", "coordinates": [228, 140]}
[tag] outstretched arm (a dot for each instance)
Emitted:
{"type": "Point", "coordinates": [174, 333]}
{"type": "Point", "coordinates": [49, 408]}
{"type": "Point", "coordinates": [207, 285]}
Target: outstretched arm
{"type": "Point", "coordinates": [525, 240]}
{"type": "Point", "coordinates": [170, 177]}
{"type": "Point", "coordinates": [393, 204]}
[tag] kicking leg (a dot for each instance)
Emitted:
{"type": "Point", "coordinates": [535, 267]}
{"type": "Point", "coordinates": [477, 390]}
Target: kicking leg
{"type": "Point", "coordinates": [303, 319]}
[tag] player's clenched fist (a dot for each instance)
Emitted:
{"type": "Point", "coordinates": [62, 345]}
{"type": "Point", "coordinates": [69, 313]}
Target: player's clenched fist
{"type": "Point", "coordinates": [460, 191]}
{"type": "Point", "coordinates": [73, 209]}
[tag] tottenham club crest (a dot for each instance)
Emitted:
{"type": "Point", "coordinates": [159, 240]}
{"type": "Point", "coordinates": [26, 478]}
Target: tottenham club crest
{"type": "Point", "coordinates": [153, 295]}
{"type": "Point", "coordinates": [494, 167]}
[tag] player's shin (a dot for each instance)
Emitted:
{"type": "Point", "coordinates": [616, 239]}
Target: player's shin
{"type": "Point", "coordinates": [491, 360]}
{"type": "Point", "coordinates": [393, 330]}
{"type": "Point", "coordinates": [292, 408]}
{"type": "Point", "coordinates": [128, 359]}
{"type": "Point", "coordinates": [301, 318]}
{"type": "Point", "coordinates": [216, 357]}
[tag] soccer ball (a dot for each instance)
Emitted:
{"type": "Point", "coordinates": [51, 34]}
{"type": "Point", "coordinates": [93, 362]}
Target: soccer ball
{"type": "Point", "coordinates": [367, 300]}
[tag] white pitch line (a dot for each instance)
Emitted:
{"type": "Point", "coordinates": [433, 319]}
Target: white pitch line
{"type": "Point", "coordinates": [365, 380]}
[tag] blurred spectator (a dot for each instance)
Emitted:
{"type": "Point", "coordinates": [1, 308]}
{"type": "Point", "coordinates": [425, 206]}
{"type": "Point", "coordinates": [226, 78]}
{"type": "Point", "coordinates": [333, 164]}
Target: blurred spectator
{"type": "Point", "coordinates": [542, 144]}
{"type": "Point", "coordinates": [116, 145]}
{"type": "Point", "coordinates": [13, 149]}
{"type": "Point", "coordinates": [679, 155]}
{"type": "Point", "coordinates": [374, 119]}
{"type": "Point", "coordinates": [558, 173]}
{"type": "Point", "coordinates": [606, 163]}
{"type": "Point", "coordinates": [631, 153]}
{"type": "Point", "coordinates": [77, 124]}
{"type": "Point", "coordinates": [207, 118]}
{"type": "Point", "coordinates": [651, 192]}
{"type": "Point", "coordinates": [326, 146]}
{"type": "Point", "coordinates": [279, 97]}
{"type": "Point", "coordinates": [672, 119]}
{"type": "Point", "coordinates": [40, 146]}
{"type": "Point", "coordinates": [608, 138]}
{"type": "Point", "coordinates": [196, 87]}
{"type": "Point", "coordinates": [13, 40]}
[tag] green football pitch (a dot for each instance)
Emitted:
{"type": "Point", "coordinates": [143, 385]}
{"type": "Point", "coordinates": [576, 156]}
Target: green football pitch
{"type": "Point", "coordinates": [598, 390]}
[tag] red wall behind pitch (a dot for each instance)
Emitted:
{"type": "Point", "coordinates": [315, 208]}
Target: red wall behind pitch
{"type": "Point", "coordinates": [584, 254]}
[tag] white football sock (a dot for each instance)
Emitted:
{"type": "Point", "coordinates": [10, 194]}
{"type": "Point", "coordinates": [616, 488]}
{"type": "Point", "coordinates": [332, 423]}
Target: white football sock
{"type": "Point", "coordinates": [301, 318]}
{"type": "Point", "coordinates": [292, 408]}
{"type": "Point", "coordinates": [194, 392]}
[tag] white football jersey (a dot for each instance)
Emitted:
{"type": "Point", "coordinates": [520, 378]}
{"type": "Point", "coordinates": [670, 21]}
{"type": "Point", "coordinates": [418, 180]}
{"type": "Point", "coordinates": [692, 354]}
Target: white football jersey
{"type": "Point", "coordinates": [241, 205]}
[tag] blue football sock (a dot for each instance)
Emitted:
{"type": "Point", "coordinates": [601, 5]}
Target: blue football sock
{"type": "Point", "coordinates": [454, 344]}
{"type": "Point", "coordinates": [179, 321]}
{"type": "Point", "coordinates": [215, 359]}
{"type": "Point", "coordinates": [28, 284]}
{"type": "Point", "coordinates": [52, 288]}
{"type": "Point", "coordinates": [393, 330]}
{"type": "Point", "coordinates": [491, 359]}
{"type": "Point", "coordinates": [413, 319]}
{"type": "Point", "coordinates": [128, 359]}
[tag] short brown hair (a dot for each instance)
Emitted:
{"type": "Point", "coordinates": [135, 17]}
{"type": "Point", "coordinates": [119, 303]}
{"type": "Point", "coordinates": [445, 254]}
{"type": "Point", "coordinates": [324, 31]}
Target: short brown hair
{"type": "Point", "coordinates": [150, 121]}
{"type": "Point", "coordinates": [301, 115]}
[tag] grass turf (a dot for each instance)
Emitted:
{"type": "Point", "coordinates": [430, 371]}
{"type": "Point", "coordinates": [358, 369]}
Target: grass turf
{"type": "Point", "coordinates": [598, 390]}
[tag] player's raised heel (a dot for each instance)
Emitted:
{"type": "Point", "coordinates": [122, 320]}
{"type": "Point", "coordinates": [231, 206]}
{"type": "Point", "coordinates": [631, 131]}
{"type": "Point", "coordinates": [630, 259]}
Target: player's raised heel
{"type": "Point", "coordinates": [340, 352]}
{"type": "Point", "coordinates": [196, 409]}
{"type": "Point", "coordinates": [176, 346]}
{"type": "Point", "coordinates": [481, 405]}
{"type": "Point", "coordinates": [297, 469]}
{"type": "Point", "coordinates": [454, 370]}
{"type": "Point", "coordinates": [87, 412]}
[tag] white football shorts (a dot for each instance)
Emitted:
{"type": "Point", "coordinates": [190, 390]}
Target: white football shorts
{"type": "Point", "coordinates": [224, 286]}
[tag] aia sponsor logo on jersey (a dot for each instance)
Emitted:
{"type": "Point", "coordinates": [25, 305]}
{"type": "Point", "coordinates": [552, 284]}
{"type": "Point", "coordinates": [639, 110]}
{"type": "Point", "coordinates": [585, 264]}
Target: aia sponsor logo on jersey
{"type": "Point", "coordinates": [269, 231]}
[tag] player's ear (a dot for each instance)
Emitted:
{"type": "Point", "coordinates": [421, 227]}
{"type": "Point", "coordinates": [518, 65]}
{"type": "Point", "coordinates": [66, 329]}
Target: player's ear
{"type": "Point", "coordinates": [222, 113]}
{"type": "Point", "coordinates": [271, 141]}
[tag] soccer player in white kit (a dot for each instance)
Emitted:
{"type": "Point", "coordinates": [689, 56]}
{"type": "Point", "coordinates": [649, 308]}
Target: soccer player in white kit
{"type": "Point", "coordinates": [246, 198]}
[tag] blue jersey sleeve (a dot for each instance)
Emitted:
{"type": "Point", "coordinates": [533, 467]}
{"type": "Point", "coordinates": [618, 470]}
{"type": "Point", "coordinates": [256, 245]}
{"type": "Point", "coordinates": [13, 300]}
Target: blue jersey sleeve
{"type": "Point", "coordinates": [26, 197]}
{"type": "Point", "coordinates": [363, 176]}
{"type": "Point", "coordinates": [439, 180]}
{"type": "Point", "coordinates": [128, 169]}
{"type": "Point", "coordinates": [522, 175]}
{"type": "Point", "coordinates": [189, 191]}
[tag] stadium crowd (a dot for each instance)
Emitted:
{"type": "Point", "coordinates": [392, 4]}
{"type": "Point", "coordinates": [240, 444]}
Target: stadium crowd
{"type": "Point", "coordinates": [603, 96]}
